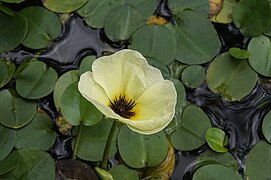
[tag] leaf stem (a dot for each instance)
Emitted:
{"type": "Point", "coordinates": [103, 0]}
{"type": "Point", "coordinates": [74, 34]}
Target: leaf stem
{"type": "Point", "coordinates": [77, 140]}
{"type": "Point", "coordinates": [108, 144]}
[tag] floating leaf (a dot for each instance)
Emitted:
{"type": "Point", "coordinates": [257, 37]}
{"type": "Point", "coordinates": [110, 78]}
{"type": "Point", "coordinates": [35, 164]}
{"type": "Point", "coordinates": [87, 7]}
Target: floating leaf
{"type": "Point", "coordinates": [193, 76]}
{"type": "Point", "coordinates": [61, 6]}
{"type": "Point", "coordinates": [76, 109]}
{"type": "Point", "coordinates": [197, 40]}
{"type": "Point", "coordinates": [239, 53]}
{"type": "Point", "coordinates": [7, 71]}
{"type": "Point", "coordinates": [258, 162]}
{"type": "Point", "coordinates": [86, 64]}
{"type": "Point", "coordinates": [180, 94]}
{"type": "Point", "coordinates": [9, 162]}
{"type": "Point", "coordinates": [122, 22]}
{"type": "Point", "coordinates": [231, 78]}
{"type": "Point", "coordinates": [10, 36]}
{"type": "Point", "coordinates": [16, 111]}
{"type": "Point", "coordinates": [92, 141]}
{"type": "Point", "coordinates": [201, 6]}
{"type": "Point", "coordinates": [139, 150]}
{"type": "Point", "coordinates": [252, 17]}
{"type": "Point", "coordinates": [36, 80]}
{"type": "Point", "coordinates": [225, 14]}
{"type": "Point", "coordinates": [37, 134]}
{"type": "Point", "coordinates": [161, 66]}
{"type": "Point", "coordinates": [44, 26]}
{"type": "Point", "coordinates": [259, 59]}
{"type": "Point", "coordinates": [177, 69]}
{"type": "Point", "coordinates": [34, 164]}
{"type": "Point", "coordinates": [7, 142]}
{"type": "Point", "coordinates": [215, 171]}
{"type": "Point", "coordinates": [266, 127]}
{"type": "Point", "coordinates": [62, 83]}
{"type": "Point", "coordinates": [122, 172]}
{"type": "Point", "coordinates": [216, 139]}
{"type": "Point", "coordinates": [190, 134]}
{"type": "Point", "coordinates": [13, 1]}
{"type": "Point", "coordinates": [156, 42]}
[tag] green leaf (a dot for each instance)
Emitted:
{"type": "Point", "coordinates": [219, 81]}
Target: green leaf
{"type": "Point", "coordinates": [103, 174]}
{"type": "Point", "coordinates": [225, 14]}
{"type": "Point", "coordinates": [37, 134]}
{"type": "Point", "coordinates": [180, 95]}
{"type": "Point", "coordinates": [159, 65]}
{"type": "Point", "coordinates": [252, 17]}
{"type": "Point", "coordinates": [239, 53]}
{"type": "Point", "coordinates": [197, 40]}
{"type": "Point", "coordinates": [16, 111]}
{"type": "Point", "coordinates": [259, 49]}
{"type": "Point", "coordinates": [122, 22]}
{"type": "Point", "coordinates": [7, 71]}
{"type": "Point", "coordinates": [216, 139]}
{"type": "Point", "coordinates": [193, 76]}
{"type": "Point", "coordinates": [200, 6]}
{"type": "Point", "coordinates": [231, 78]}
{"type": "Point", "coordinates": [6, 9]}
{"type": "Point", "coordinates": [62, 83]}
{"type": "Point", "coordinates": [7, 142]}
{"type": "Point", "coordinates": [258, 162]}
{"type": "Point", "coordinates": [86, 64]}
{"type": "Point", "coordinates": [92, 141]}
{"type": "Point", "coordinates": [266, 126]}
{"type": "Point", "coordinates": [36, 80]}
{"type": "Point", "coordinates": [139, 150]}
{"type": "Point", "coordinates": [34, 164]}
{"type": "Point", "coordinates": [44, 27]}
{"type": "Point", "coordinates": [13, 1]}
{"type": "Point", "coordinates": [61, 6]}
{"type": "Point", "coordinates": [156, 42]}
{"type": "Point", "coordinates": [9, 162]}
{"type": "Point", "coordinates": [190, 134]}
{"type": "Point", "coordinates": [215, 171]}
{"type": "Point", "coordinates": [76, 109]}
{"type": "Point", "coordinates": [13, 31]}
{"type": "Point", "coordinates": [122, 172]}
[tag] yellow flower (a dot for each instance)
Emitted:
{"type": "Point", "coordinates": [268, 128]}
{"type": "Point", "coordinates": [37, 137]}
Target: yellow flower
{"type": "Point", "coordinates": [125, 87]}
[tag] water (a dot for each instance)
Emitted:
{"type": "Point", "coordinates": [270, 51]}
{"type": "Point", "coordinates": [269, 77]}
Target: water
{"type": "Point", "coordinates": [240, 120]}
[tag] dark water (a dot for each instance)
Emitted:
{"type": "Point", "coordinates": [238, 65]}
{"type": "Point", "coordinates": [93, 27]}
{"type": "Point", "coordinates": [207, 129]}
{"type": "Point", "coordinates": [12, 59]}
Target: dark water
{"type": "Point", "coordinates": [240, 120]}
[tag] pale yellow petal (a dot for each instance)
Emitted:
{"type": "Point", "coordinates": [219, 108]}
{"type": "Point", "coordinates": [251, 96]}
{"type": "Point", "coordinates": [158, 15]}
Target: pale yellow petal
{"type": "Point", "coordinates": [154, 109]}
{"type": "Point", "coordinates": [125, 72]}
{"type": "Point", "coordinates": [94, 93]}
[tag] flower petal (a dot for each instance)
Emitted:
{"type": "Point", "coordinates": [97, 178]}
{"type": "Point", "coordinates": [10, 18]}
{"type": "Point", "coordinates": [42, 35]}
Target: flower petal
{"type": "Point", "coordinates": [94, 93]}
{"type": "Point", "coordinates": [125, 72]}
{"type": "Point", "coordinates": [154, 109]}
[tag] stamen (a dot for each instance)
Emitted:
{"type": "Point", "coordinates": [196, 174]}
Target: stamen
{"type": "Point", "coordinates": [123, 106]}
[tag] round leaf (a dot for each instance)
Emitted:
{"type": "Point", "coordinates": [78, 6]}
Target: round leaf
{"type": "Point", "coordinates": [156, 42]}
{"type": "Point", "coordinates": [239, 53]}
{"type": "Point", "coordinates": [193, 76]}
{"type": "Point", "coordinates": [266, 127]}
{"type": "Point", "coordinates": [7, 141]}
{"type": "Point", "coordinates": [9, 162]}
{"type": "Point", "coordinates": [86, 64]}
{"type": "Point", "coordinates": [193, 125]}
{"type": "Point", "coordinates": [259, 49]}
{"type": "Point", "coordinates": [92, 141]}
{"type": "Point", "coordinates": [61, 6]}
{"type": "Point", "coordinates": [197, 40]}
{"type": "Point", "coordinates": [216, 139]}
{"type": "Point", "coordinates": [122, 22]}
{"type": "Point", "coordinates": [161, 66]}
{"type": "Point", "coordinates": [76, 109]}
{"type": "Point", "coordinates": [37, 134]}
{"type": "Point", "coordinates": [13, 31]}
{"type": "Point", "coordinates": [36, 80]}
{"type": "Point", "coordinates": [258, 161]}
{"type": "Point", "coordinates": [231, 78]}
{"type": "Point", "coordinates": [44, 27]}
{"type": "Point", "coordinates": [16, 112]}
{"type": "Point", "coordinates": [139, 150]}
{"type": "Point", "coordinates": [7, 71]}
{"type": "Point", "coordinates": [122, 172]}
{"type": "Point", "coordinates": [177, 6]}
{"type": "Point", "coordinates": [62, 83]}
{"type": "Point", "coordinates": [34, 164]}
{"type": "Point", "coordinates": [215, 171]}
{"type": "Point", "coordinates": [180, 94]}
{"type": "Point", "coordinates": [243, 18]}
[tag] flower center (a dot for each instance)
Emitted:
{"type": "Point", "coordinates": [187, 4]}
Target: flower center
{"type": "Point", "coordinates": [123, 106]}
